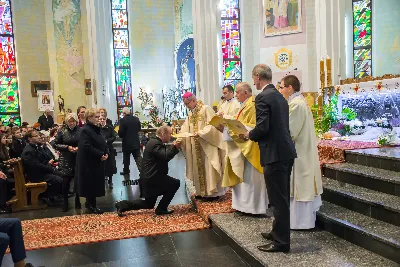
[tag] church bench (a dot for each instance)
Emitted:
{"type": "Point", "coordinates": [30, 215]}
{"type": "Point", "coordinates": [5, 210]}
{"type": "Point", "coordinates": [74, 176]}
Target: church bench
{"type": "Point", "coordinates": [20, 200]}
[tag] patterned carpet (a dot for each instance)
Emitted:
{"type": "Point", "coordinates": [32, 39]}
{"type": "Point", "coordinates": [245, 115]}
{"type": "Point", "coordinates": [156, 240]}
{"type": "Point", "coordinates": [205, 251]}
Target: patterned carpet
{"type": "Point", "coordinates": [81, 229]}
{"type": "Point", "coordinates": [206, 208]}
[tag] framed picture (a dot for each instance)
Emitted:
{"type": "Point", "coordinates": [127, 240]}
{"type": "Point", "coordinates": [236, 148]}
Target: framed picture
{"type": "Point", "coordinates": [281, 17]}
{"type": "Point", "coordinates": [88, 86]}
{"type": "Point", "coordinates": [39, 85]}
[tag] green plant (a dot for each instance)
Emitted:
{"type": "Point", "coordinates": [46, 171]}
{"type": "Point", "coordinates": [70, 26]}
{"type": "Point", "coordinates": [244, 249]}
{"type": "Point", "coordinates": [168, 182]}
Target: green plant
{"type": "Point", "coordinates": [349, 114]}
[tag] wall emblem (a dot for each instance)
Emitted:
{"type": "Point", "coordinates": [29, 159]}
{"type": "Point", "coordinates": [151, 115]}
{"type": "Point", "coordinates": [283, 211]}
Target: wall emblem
{"type": "Point", "coordinates": [283, 58]}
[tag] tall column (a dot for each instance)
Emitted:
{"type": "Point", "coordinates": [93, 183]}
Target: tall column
{"type": "Point", "coordinates": [206, 29]}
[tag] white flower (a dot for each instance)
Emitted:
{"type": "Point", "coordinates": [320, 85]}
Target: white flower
{"type": "Point", "coordinates": [379, 120]}
{"type": "Point", "coordinates": [358, 123]}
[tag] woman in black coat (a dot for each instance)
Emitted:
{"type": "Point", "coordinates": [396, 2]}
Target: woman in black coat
{"type": "Point", "coordinates": [90, 163]}
{"type": "Point", "coordinates": [66, 142]}
{"type": "Point", "coordinates": [110, 135]}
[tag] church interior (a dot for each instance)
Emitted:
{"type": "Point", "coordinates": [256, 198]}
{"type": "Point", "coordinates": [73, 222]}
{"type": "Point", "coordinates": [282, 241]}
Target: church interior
{"type": "Point", "coordinates": [152, 58]}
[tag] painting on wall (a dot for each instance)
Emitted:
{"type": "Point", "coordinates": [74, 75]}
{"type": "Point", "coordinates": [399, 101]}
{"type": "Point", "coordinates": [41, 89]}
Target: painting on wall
{"type": "Point", "coordinates": [281, 17]}
{"type": "Point", "coordinates": [69, 50]}
{"type": "Point", "coordinates": [39, 86]}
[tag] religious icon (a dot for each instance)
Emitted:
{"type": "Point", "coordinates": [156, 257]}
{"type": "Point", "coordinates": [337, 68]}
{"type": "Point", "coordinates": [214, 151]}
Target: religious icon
{"type": "Point", "coordinates": [88, 87]}
{"type": "Point", "coordinates": [39, 85]}
{"type": "Point", "coordinates": [282, 17]}
{"type": "Point", "coordinates": [61, 104]}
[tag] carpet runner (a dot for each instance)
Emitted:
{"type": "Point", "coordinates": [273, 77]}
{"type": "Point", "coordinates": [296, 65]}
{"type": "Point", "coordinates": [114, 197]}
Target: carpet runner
{"type": "Point", "coordinates": [82, 229]}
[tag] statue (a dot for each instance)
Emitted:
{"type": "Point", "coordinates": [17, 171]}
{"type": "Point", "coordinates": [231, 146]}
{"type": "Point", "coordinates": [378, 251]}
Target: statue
{"type": "Point", "coordinates": [61, 104]}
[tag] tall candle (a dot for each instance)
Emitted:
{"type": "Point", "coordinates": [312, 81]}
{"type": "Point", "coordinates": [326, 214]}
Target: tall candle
{"type": "Point", "coordinates": [321, 65]}
{"type": "Point", "coordinates": [328, 63]}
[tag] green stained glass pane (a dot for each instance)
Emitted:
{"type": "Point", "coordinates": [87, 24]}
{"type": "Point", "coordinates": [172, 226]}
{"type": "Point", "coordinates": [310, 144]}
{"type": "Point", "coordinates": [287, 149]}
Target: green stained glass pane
{"type": "Point", "coordinates": [4, 118]}
{"type": "Point", "coordinates": [362, 23]}
{"type": "Point", "coordinates": [8, 94]}
{"type": "Point", "coordinates": [364, 41]}
{"type": "Point", "coordinates": [122, 58]}
{"type": "Point", "coordinates": [232, 70]}
{"type": "Point", "coordinates": [362, 54]}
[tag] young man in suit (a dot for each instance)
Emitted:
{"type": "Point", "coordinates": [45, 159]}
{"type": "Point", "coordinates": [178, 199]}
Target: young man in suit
{"type": "Point", "coordinates": [277, 155]}
{"type": "Point", "coordinates": [154, 175]}
{"type": "Point", "coordinates": [129, 128]}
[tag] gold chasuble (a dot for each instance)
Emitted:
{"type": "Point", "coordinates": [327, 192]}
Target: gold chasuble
{"type": "Point", "coordinates": [239, 150]}
{"type": "Point", "coordinates": [203, 153]}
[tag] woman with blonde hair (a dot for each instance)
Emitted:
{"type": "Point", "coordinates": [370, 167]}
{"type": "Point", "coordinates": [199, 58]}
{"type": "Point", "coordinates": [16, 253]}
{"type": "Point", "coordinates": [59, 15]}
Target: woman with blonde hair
{"type": "Point", "coordinates": [90, 165]}
{"type": "Point", "coordinates": [66, 142]}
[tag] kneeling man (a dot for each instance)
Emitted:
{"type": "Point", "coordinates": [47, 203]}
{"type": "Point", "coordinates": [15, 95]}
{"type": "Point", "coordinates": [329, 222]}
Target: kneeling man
{"type": "Point", "coordinates": [154, 175]}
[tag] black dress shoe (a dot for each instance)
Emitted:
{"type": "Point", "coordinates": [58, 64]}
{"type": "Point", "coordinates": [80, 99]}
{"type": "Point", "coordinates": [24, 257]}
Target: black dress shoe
{"type": "Point", "coordinates": [95, 210]}
{"type": "Point", "coordinates": [274, 248]}
{"type": "Point", "coordinates": [267, 236]}
{"type": "Point", "coordinates": [110, 185]}
{"type": "Point", "coordinates": [163, 212]}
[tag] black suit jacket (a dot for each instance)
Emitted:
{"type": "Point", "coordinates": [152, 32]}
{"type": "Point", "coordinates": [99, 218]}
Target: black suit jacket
{"type": "Point", "coordinates": [35, 161]}
{"type": "Point", "coordinates": [45, 123]}
{"type": "Point", "coordinates": [272, 127]}
{"type": "Point", "coordinates": [154, 174]}
{"type": "Point", "coordinates": [129, 127]}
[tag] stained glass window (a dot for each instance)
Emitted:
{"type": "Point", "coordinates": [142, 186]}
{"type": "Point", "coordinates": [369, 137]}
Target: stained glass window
{"type": "Point", "coordinates": [231, 46]}
{"type": "Point", "coordinates": [9, 97]}
{"type": "Point", "coordinates": [362, 38]}
{"type": "Point", "coordinates": [122, 59]}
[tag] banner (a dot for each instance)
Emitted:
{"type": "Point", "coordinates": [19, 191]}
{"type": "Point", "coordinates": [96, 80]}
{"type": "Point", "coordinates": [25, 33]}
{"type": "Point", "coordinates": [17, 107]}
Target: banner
{"type": "Point", "coordinates": [45, 100]}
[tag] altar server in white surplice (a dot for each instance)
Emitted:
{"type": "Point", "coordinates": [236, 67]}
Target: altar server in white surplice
{"type": "Point", "coordinates": [230, 107]}
{"type": "Point", "coordinates": [243, 171]}
{"type": "Point", "coordinates": [306, 183]}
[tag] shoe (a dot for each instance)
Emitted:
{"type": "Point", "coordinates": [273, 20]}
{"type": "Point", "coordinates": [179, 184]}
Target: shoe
{"type": "Point", "coordinates": [119, 210]}
{"type": "Point", "coordinates": [110, 185]}
{"type": "Point", "coordinates": [95, 210]}
{"type": "Point", "coordinates": [267, 236]}
{"type": "Point", "coordinates": [274, 248]}
{"type": "Point", "coordinates": [125, 173]}
{"type": "Point", "coordinates": [5, 211]}
{"type": "Point", "coordinates": [163, 212]}
{"type": "Point", "coordinates": [65, 207]}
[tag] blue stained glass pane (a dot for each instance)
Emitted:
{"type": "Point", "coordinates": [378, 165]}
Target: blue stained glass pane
{"type": "Point", "coordinates": [118, 4]}
{"type": "Point", "coordinates": [5, 18]}
{"type": "Point", "coordinates": [122, 58]}
{"type": "Point", "coordinates": [230, 9]}
{"type": "Point", "coordinates": [123, 81]}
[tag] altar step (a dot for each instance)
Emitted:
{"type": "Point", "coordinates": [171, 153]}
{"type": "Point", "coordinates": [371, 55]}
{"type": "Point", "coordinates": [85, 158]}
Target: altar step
{"type": "Point", "coordinates": [377, 179]}
{"type": "Point", "coordinates": [374, 204]}
{"type": "Point", "coordinates": [361, 200]}
{"type": "Point", "coordinates": [387, 158]}
{"type": "Point", "coordinates": [371, 234]}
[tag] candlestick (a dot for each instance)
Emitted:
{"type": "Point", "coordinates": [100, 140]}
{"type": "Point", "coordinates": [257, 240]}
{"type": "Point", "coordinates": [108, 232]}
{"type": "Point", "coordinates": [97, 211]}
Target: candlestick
{"type": "Point", "coordinates": [321, 65]}
{"type": "Point", "coordinates": [329, 71]}
{"type": "Point", "coordinates": [322, 72]}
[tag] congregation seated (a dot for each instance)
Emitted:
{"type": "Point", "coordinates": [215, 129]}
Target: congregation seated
{"type": "Point", "coordinates": [39, 166]}
{"type": "Point", "coordinates": [18, 142]}
{"type": "Point", "coordinates": [6, 186]}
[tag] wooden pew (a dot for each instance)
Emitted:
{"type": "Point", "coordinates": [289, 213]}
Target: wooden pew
{"type": "Point", "coordinates": [20, 201]}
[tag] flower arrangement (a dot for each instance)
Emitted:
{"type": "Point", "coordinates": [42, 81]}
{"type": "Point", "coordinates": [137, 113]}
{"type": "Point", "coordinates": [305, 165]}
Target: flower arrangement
{"type": "Point", "coordinates": [387, 139]}
{"type": "Point", "coordinates": [383, 123]}
{"type": "Point", "coordinates": [155, 119]}
{"type": "Point", "coordinates": [145, 124]}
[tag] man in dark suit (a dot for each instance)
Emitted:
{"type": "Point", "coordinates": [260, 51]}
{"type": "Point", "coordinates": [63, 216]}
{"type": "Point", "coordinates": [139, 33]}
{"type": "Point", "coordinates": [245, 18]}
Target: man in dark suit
{"type": "Point", "coordinates": [277, 155]}
{"type": "Point", "coordinates": [46, 120]}
{"type": "Point", "coordinates": [154, 176]}
{"type": "Point", "coordinates": [38, 165]}
{"type": "Point", "coordinates": [129, 127]}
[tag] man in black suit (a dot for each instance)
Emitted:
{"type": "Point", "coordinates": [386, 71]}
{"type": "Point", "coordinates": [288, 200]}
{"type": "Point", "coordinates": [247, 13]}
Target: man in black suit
{"type": "Point", "coordinates": [277, 155]}
{"type": "Point", "coordinates": [38, 165]}
{"type": "Point", "coordinates": [154, 176]}
{"type": "Point", "coordinates": [129, 127]}
{"type": "Point", "coordinates": [46, 120]}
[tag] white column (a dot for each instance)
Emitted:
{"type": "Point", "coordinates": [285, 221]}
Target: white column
{"type": "Point", "coordinates": [101, 55]}
{"type": "Point", "coordinates": [206, 28]}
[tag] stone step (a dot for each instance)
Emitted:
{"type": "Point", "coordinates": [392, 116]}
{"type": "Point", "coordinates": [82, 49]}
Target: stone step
{"type": "Point", "coordinates": [374, 204]}
{"type": "Point", "coordinates": [374, 235]}
{"type": "Point", "coordinates": [387, 158]}
{"type": "Point", "coordinates": [381, 180]}
{"type": "Point", "coordinates": [308, 248]}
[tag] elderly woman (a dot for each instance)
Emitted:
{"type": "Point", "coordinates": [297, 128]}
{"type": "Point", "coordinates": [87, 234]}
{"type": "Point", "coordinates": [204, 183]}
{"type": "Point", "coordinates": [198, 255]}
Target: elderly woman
{"type": "Point", "coordinates": [90, 164]}
{"type": "Point", "coordinates": [103, 112]}
{"type": "Point", "coordinates": [66, 142]}
{"type": "Point", "coordinates": [306, 183]}
{"type": "Point", "coordinates": [110, 135]}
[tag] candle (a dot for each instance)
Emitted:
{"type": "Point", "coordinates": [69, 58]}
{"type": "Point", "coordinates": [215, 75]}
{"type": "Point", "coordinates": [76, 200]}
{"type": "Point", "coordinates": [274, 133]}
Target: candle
{"type": "Point", "coordinates": [328, 63]}
{"type": "Point", "coordinates": [321, 65]}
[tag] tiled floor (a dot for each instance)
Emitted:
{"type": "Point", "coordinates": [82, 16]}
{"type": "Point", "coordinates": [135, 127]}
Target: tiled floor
{"type": "Point", "coordinates": [197, 248]}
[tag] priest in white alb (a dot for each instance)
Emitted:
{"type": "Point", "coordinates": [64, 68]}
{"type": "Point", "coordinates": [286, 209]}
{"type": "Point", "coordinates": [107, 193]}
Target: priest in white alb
{"type": "Point", "coordinates": [203, 151]}
{"type": "Point", "coordinates": [243, 171]}
{"type": "Point", "coordinates": [230, 107]}
{"type": "Point", "coordinates": [306, 182]}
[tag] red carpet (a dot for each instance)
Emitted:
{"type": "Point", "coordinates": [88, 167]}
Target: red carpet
{"type": "Point", "coordinates": [206, 208]}
{"type": "Point", "coordinates": [81, 229]}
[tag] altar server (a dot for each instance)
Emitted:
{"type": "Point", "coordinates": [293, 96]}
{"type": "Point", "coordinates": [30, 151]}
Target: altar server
{"type": "Point", "coordinates": [230, 106]}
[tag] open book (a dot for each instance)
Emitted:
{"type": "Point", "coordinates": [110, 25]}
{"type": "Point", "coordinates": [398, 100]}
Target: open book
{"type": "Point", "coordinates": [182, 135]}
{"type": "Point", "coordinates": [234, 125]}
